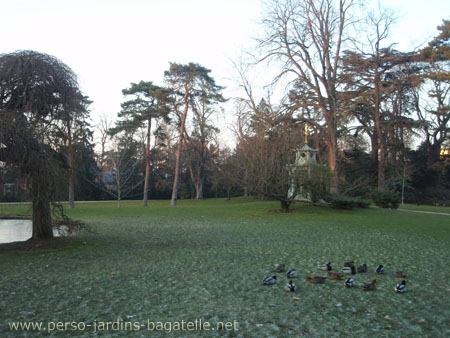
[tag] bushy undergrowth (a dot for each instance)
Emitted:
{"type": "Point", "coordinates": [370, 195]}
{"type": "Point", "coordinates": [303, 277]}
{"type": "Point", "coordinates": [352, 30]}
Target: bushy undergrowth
{"type": "Point", "coordinates": [386, 199]}
{"type": "Point", "coordinates": [345, 202]}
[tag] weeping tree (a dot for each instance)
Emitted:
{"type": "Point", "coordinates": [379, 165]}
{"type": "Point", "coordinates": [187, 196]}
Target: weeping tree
{"type": "Point", "coordinates": [37, 93]}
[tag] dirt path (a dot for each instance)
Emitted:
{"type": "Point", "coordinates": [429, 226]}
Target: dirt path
{"type": "Point", "coordinates": [426, 212]}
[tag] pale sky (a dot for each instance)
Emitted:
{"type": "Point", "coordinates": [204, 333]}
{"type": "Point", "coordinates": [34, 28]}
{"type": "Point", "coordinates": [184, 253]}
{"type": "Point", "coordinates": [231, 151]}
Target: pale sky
{"type": "Point", "coordinates": [111, 43]}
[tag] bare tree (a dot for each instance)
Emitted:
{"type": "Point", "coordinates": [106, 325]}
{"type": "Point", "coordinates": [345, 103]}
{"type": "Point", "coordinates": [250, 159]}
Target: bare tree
{"type": "Point", "coordinates": [124, 164]}
{"type": "Point", "coordinates": [103, 127]}
{"type": "Point", "coordinates": [306, 37]}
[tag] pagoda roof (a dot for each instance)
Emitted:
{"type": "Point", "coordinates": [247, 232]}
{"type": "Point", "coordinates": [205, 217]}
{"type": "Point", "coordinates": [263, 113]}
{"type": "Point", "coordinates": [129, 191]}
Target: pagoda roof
{"type": "Point", "coordinates": [307, 148]}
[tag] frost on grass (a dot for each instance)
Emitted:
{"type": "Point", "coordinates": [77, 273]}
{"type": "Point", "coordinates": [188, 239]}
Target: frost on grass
{"type": "Point", "coordinates": [217, 264]}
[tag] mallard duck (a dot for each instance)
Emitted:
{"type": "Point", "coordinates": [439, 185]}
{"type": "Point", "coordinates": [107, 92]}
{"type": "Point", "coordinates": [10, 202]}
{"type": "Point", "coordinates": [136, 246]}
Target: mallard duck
{"type": "Point", "coordinates": [325, 267]}
{"type": "Point", "coordinates": [316, 279]}
{"type": "Point", "coordinates": [349, 282]}
{"type": "Point", "coordinates": [291, 274]}
{"type": "Point", "coordinates": [281, 268]}
{"type": "Point", "coordinates": [400, 274]}
{"type": "Point", "coordinates": [380, 269]}
{"type": "Point", "coordinates": [362, 268]}
{"type": "Point", "coordinates": [370, 286]}
{"type": "Point", "coordinates": [270, 280]}
{"type": "Point", "coordinates": [289, 287]}
{"type": "Point", "coordinates": [335, 276]}
{"type": "Point", "coordinates": [349, 263]}
{"type": "Point", "coordinates": [400, 288]}
{"type": "Point", "coordinates": [349, 269]}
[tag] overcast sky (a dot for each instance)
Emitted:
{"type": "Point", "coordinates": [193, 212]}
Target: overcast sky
{"type": "Point", "coordinates": [110, 43]}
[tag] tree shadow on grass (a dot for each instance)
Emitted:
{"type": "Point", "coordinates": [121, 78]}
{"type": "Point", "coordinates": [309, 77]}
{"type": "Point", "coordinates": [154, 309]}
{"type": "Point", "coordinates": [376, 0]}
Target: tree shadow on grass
{"type": "Point", "coordinates": [55, 243]}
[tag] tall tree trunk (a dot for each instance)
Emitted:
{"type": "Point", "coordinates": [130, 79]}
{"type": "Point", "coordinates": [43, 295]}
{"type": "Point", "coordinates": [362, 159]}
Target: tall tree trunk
{"type": "Point", "coordinates": [42, 219]}
{"type": "Point", "coordinates": [147, 164]}
{"type": "Point", "coordinates": [201, 167]}
{"type": "Point", "coordinates": [70, 153]}
{"type": "Point", "coordinates": [332, 162]}
{"type": "Point", "coordinates": [332, 151]}
{"type": "Point", "coordinates": [193, 183]}
{"type": "Point", "coordinates": [285, 206]}
{"type": "Point", "coordinates": [377, 117]}
{"type": "Point", "coordinates": [433, 154]}
{"type": "Point", "coordinates": [173, 201]}
{"type": "Point", "coordinates": [200, 184]}
{"type": "Point", "coordinates": [71, 189]}
{"type": "Point", "coordinates": [119, 184]}
{"type": "Point", "coordinates": [200, 180]}
{"type": "Point", "coordinates": [374, 149]}
{"type": "Point", "coordinates": [381, 165]}
{"type": "Point", "coordinates": [118, 196]}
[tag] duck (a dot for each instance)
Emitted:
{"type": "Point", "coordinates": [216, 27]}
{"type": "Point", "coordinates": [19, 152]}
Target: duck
{"type": "Point", "coordinates": [349, 264]}
{"type": "Point", "coordinates": [380, 269]}
{"type": "Point", "coordinates": [370, 286]}
{"type": "Point", "coordinates": [349, 282]}
{"type": "Point", "coordinates": [335, 276]}
{"type": "Point", "coordinates": [401, 288]}
{"type": "Point", "coordinates": [291, 274]}
{"type": "Point", "coordinates": [400, 274]}
{"type": "Point", "coordinates": [316, 279]}
{"type": "Point", "coordinates": [349, 269]}
{"type": "Point", "coordinates": [281, 268]}
{"type": "Point", "coordinates": [270, 280]}
{"type": "Point", "coordinates": [325, 267]}
{"type": "Point", "coordinates": [362, 268]}
{"type": "Point", "coordinates": [289, 287]}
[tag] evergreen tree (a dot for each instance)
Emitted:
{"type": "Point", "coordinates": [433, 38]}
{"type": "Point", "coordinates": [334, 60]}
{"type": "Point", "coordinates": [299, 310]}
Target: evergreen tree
{"type": "Point", "coordinates": [150, 102]}
{"type": "Point", "coordinates": [190, 84]}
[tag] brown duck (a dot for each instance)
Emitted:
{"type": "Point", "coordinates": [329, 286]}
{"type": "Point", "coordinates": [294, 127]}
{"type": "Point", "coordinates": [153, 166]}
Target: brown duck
{"type": "Point", "coordinates": [400, 274]}
{"type": "Point", "coordinates": [362, 268]}
{"type": "Point", "coordinates": [281, 268]}
{"type": "Point", "coordinates": [316, 279]}
{"type": "Point", "coordinates": [370, 286]}
{"type": "Point", "coordinates": [335, 276]}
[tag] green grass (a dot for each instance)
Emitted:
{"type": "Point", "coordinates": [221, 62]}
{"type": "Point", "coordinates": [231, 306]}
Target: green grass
{"type": "Point", "coordinates": [206, 259]}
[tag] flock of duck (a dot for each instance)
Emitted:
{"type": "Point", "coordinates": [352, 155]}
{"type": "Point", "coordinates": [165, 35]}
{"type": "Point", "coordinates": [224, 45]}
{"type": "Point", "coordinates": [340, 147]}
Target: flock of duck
{"type": "Point", "coordinates": [348, 268]}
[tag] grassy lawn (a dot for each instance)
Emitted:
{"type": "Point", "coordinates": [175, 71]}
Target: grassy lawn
{"type": "Point", "coordinates": [204, 260]}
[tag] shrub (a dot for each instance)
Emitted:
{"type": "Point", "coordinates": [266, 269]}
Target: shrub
{"type": "Point", "coordinates": [345, 202]}
{"type": "Point", "coordinates": [362, 203]}
{"type": "Point", "coordinates": [386, 199]}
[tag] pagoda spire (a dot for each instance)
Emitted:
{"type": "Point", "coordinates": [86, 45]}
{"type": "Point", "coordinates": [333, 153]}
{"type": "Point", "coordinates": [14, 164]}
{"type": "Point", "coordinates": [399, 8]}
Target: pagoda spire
{"type": "Point", "coordinates": [306, 133]}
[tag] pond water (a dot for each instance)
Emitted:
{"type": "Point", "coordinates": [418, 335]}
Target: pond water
{"type": "Point", "coordinates": [18, 230]}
